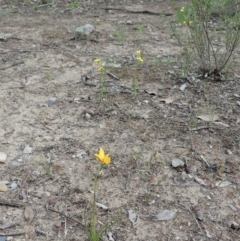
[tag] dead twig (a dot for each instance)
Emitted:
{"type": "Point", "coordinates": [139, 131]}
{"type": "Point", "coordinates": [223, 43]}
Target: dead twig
{"type": "Point", "coordinates": [10, 203]}
{"type": "Point", "coordinates": [40, 232]}
{"type": "Point", "coordinates": [12, 64]}
{"type": "Point", "coordinates": [144, 11]}
{"type": "Point", "coordinates": [189, 209]}
{"type": "Point", "coordinates": [112, 75]}
{"type": "Point", "coordinates": [74, 220]}
{"type": "Point", "coordinates": [12, 234]}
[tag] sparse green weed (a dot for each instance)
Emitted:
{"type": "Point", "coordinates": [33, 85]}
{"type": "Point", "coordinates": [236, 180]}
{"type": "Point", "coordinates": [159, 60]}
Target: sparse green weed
{"type": "Point", "coordinates": [213, 48]}
{"type": "Point", "coordinates": [120, 35]}
{"type": "Point", "coordinates": [138, 61]}
{"type": "Point", "coordinates": [48, 166]}
{"type": "Point", "coordinates": [74, 4]}
{"type": "Point", "coordinates": [140, 27]}
{"type": "Point", "coordinates": [48, 76]}
{"type": "Point", "coordinates": [94, 232]}
{"type": "Point", "coordinates": [102, 69]}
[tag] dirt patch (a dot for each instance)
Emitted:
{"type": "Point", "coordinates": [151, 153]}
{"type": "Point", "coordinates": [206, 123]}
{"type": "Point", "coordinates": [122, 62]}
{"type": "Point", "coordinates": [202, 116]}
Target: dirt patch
{"type": "Point", "coordinates": [143, 133]}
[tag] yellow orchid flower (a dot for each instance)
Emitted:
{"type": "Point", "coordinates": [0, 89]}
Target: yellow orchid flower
{"type": "Point", "coordinates": [97, 60]}
{"type": "Point", "coordinates": [104, 159]}
{"type": "Point", "coordinates": [182, 9]}
{"type": "Point", "coordinates": [138, 52]}
{"type": "Point", "coordinates": [139, 59]}
{"type": "Point", "coordinates": [101, 68]}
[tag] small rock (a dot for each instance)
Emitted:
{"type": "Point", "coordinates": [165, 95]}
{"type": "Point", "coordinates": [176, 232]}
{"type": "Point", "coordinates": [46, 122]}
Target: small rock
{"type": "Point", "coordinates": [223, 183]}
{"type": "Point", "coordinates": [129, 22]}
{"type": "Point", "coordinates": [183, 87]}
{"type": "Point", "coordinates": [200, 215]}
{"type": "Point", "coordinates": [88, 116]}
{"type": "Point", "coordinates": [27, 149]}
{"type": "Point", "coordinates": [3, 157]}
{"type": "Point", "coordinates": [82, 32]}
{"type": "Point", "coordinates": [58, 223]}
{"type": "Point", "coordinates": [171, 72]}
{"type": "Point", "coordinates": [13, 185]}
{"type": "Point", "coordinates": [104, 207]}
{"type": "Point", "coordinates": [200, 181]}
{"type": "Point", "coordinates": [233, 225]}
{"type": "Point", "coordinates": [110, 236]}
{"type": "Point", "coordinates": [229, 152]}
{"type": "Point", "coordinates": [48, 194]}
{"type": "Point", "coordinates": [48, 138]}
{"type": "Point", "coordinates": [3, 187]}
{"type": "Point", "coordinates": [151, 202]}
{"type": "Point", "coordinates": [75, 199]}
{"type": "Point", "coordinates": [165, 215]}
{"type": "Point", "coordinates": [51, 101]}
{"type": "Point", "coordinates": [14, 164]}
{"type": "Point", "coordinates": [177, 162]}
{"type": "Point", "coordinates": [80, 188]}
{"type": "Point", "coordinates": [133, 217]}
{"type": "Point", "coordinates": [80, 154]}
{"type": "Point", "coordinates": [3, 238]}
{"type": "Point", "coordinates": [69, 208]}
{"type": "Point", "coordinates": [28, 214]}
{"type": "Point", "coordinates": [191, 79]}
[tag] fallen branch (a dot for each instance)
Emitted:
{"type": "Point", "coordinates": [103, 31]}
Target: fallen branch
{"type": "Point", "coordinates": [12, 234]}
{"type": "Point", "coordinates": [53, 210]}
{"type": "Point", "coordinates": [10, 203]}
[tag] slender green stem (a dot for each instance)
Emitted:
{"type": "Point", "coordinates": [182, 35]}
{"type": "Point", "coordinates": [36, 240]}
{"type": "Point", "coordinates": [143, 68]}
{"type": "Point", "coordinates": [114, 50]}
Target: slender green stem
{"type": "Point", "coordinates": [94, 210]}
{"type": "Point", "coordinates": [102, 83]}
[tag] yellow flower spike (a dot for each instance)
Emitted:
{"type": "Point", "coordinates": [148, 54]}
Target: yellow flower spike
{"type": "Point", "coordinates": [104, 159]}
{"type": "Point", "coordinates": [138, 52]}
{"type": "Point", "coordinates": [97, 60]}
{"type": "Point", "coordinates": [101, 68]}
{"type": "Point", "coordinates": [182, 9]}
{"type": "Point", "coordinates": [184, 23]}
{"type": "Point", "coordinates": [139, 59]}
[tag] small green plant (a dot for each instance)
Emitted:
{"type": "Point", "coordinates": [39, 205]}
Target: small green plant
{"type": "Point", "coordinates": [102, 70]}
{"type": "Point", "coordinates": [74, 4]}
{"type": "Point", "coordinates": [138, 61]}
{"type": "Point", "coordinates": [7, 11]}
{"type": "Point", "coordinates": [48, 76]}
{"type": "Point", "coordinates": [48, 166]}
{"type": "Point", "coordinates": [233, 107]}
{"type": "Point", "coordinates": [140, 27]}
{"type": "Point", "coordinates": [14, 2]}
{"type": "Point", "coordinates": [120, 34]}
{"type": "Point", "coordinates": [159, 61]}
{"type": "Point", "coordinates": [152, 158]}
{"type": "Point", "coordinates": [109, 108]}
{"type": "Point", "coordinates": [96, 22]}
{"type": "Point", "coordinates": [213, 49]}
{"type": "Point", "coordinates": [94, 232]}
{"type": "Point", "coordinates": [35, 7]}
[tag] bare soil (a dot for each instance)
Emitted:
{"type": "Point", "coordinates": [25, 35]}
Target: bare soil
{"type": "Point", "coordinates": [40, 59]}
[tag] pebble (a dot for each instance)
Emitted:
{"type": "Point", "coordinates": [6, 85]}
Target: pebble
{"type": "Point", "coordinates": [58, 223]}
{"type": "Point", "coordinates": [3, 157]}
{"type": "Point", "coordinates": [234, 225]}
{"type": "Point", "coordinates": [83, 31]}
{"type": "Point", "coordinates": [177, 162]}
{"type": "Point", "coordinates": [14, 164]}
{"type": "Point", "coordinates": [27, 149]}
{"type": "Point", "coordinates": [3, 187]}
{"type": "Point", "coordinates": [51, 101]}
{"type": "Point", "coordinates": [165, 215]}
